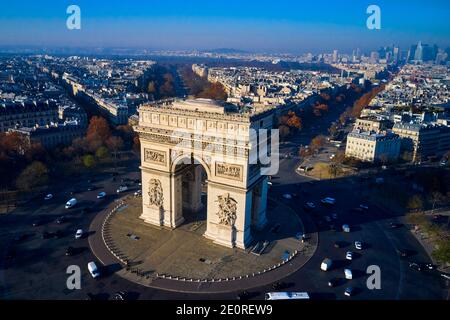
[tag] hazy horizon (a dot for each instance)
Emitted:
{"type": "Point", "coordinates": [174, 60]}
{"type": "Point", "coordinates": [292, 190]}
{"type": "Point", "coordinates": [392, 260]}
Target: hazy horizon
{"type": "Point", "coordinates": [263, 26]}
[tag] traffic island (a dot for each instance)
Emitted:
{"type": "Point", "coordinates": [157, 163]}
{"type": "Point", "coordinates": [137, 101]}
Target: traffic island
{"type": "Point", "coordinates": [182, 259]}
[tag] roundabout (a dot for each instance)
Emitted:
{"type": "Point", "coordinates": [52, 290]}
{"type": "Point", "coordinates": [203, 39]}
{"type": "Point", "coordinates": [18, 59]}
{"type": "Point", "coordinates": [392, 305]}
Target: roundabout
{"type": "Point", "coordinates": [184, 260]}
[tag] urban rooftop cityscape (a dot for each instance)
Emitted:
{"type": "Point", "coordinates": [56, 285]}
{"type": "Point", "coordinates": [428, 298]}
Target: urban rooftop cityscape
{"type": "Point", "coordinates": [240, 151]}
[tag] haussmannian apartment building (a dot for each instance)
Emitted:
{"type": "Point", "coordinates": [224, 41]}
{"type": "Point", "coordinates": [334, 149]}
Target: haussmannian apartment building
{"type": "Point", "coordinates": [423, 140]}
{"type": "Point", "coordinates": [27, 114]}
{"type": "Point", "coordinates": [371, 146]}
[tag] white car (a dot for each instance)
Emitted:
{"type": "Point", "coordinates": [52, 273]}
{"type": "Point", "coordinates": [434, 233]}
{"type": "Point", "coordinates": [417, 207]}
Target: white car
{"type": "Point", "coordinates": [349, 255]}
{"type": "Point", "coordinates": [287, 196]}
{"type": "Point", "coordinates": [346, 228]}
{"type": "Point", "coordinates": [79, 234]}
{"type": "Point", "coordinates": [48, 197]}
{"type": "Point", "coordinates": [101, 195]}
{"type": "Point", "coordinates": [122, 189]}
{"type": "Point", "coordinates": [348, 274]}
{"type": "Point", "coordinates": [364, 207]}
{"type": "Point", "coordinates": [139, 193]}
{"type": "Point", "coordinates": [358, 245]}
{"type": "Point", "coordinates": [328, 200]}
{"type": "Point", "coordinates": [310, 205]}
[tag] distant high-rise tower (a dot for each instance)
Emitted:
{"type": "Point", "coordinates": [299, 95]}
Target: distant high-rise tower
{"type": "Point", "coordinates": [335, 56]}
{"type": "Point", "coordinates": [418, 56]}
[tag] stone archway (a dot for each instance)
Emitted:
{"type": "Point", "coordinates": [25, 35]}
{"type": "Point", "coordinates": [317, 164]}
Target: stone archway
{"type": "Point", "coordinates": [233, 206]}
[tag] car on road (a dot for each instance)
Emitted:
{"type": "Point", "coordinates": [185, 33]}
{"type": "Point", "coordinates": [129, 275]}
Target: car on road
{"type": "Point", "coordinates": [309, 206]}
{"type": "Point", "coordinates": [138, 193]}
{"type": "Point", "coordinates": [338, 244]}
{"type": "Point", "coordinates": [348, 274]}
{"type": "Point", "coordinates": [364, 207]}
{"type": "Point", "coordinates": [93, 270]}
{"type": "Point", "coordinates": [71, 203]}
{"type": "Point", "coordinates": [358, 245]}
{"type": "Point", "coordinates": [60, 220]}
{"type": "Point", "coordinates": [326, 264]}
{"type": "Point", "coordinates": [69, 251]}
{"type": "Point", "coordinates": [91, 188]}
{"type": "Point", "coordinates": [334, 216]}
{"type": "Point", "coordinates": [101, 195]}
{"type": "Point", "coordinates": [48, 197]}
{"type": "Point", "coordinates": [349, 255]}
{"type": "Point", "coordinates": [79, 234]}
{"type": "Point", "coordinates": [86, 210]}
{"type": "Point", "coordinates": [349, 291]}
{"type": "Point", "coordinates": [394, 225]}
{"type": "Point", "coordinates": [122, 189]}
{"type": "Point", "coordinates": [328, 201]}
{"type": "Point", "coordinates": [287, 196]}
{"type": "Point", "coordinates": [333, 282]}
{"type": "Point", "coordinates": [346, 228]}
{"type": "Point", "coordinates": [120, 295]}
{"type": "Point", "coordinates": [327, 218]}
{"type": "Point", "coordinates": [37, 223]}
{"type": "Point", "coordinates": [416, 266]}
{"type": "Point", "coordinates": [403, 253]}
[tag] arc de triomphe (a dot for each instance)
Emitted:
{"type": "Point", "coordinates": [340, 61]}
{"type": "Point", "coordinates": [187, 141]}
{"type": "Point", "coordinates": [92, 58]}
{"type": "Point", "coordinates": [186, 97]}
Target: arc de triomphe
{"type": "Point", "coordinates": [178, 138]}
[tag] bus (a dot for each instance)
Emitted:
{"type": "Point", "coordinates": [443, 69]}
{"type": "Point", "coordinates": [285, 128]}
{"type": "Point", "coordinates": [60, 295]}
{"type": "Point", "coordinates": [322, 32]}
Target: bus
{"type": "Point", "coordinates": [287, 296]}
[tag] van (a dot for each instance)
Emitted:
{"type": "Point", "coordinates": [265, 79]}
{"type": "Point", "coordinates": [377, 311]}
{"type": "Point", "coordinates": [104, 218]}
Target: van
{"type": "Point", "coordinates": [326, 264]}
{"type": "Point", "coordinates": [93, 270]}
{"type": "Point", "coordinates": [71, 203]}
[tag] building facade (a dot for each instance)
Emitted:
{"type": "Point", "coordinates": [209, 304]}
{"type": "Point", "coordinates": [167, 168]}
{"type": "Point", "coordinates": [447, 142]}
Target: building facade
{"type": "Point", "coordinates": [27, 114]}
{"type": "Point", "coordinates": [372, 147]}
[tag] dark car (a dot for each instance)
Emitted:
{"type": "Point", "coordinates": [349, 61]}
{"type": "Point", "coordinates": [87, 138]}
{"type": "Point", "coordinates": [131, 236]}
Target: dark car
{"type": "Point", "coordinates": [37, 223]}
{"type": "Point", "coordinates": [338, 244]}
{"type": "Point", "coordinates": [403, 253]}
{"type": "Point", "coordinates": [74, 191]}
{"type": "Point", "coordinates": [86, 210]}
{"type": "Point", "coordinates": [60, 220]}
{"type": "Point", "coordinates": [394, 225]}
{"type": "Point", "coordinates": [349, 292]}
{"type": "Point", "coordinates": [90, 188]}
{"type": "Point", "coordinates": [69, 251]}
{"type": "Point", "coordinates": [333, 282]}
{"type": "Point", "coordinates": [20, 237]}
{"type": "Point", "coordinates": [416, 266]}
{"type": "Point", "coordinates": [120, 295]}
{"type": "Point", "coordinates": [244, 295]}
{"type": "Point", "coordinates": [46, 235]}
{"type": "Point", "coordinates": [279, 286]}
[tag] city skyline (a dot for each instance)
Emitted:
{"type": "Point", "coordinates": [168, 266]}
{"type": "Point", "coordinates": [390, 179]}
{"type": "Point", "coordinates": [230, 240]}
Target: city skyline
{"type": "Point", "coordinates": [292, 27]}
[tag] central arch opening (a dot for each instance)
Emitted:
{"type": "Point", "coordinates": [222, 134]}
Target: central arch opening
{"type": "Point", "coordinates": [192, 196]}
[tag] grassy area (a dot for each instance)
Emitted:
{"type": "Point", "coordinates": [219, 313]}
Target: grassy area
{"type": "Point", "coordinates": [323, 171]}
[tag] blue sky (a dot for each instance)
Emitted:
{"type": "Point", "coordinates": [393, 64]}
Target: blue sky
{"type": "Point", "coordinates": [277, 25]}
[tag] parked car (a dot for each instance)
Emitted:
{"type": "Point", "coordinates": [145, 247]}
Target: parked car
{"type": "Point", "coordinates": [349, 255]}
{"type": "Point", "coordinates": [287, 196]}
{"type": "Point", "coordinates": [79, 234]}
{"type": "Point", "coordinates": [394, 225]}
{"type": "Point", "coordinates": [101, 195]}
{"type": "Point", "coordinates": [326, 264]}
{"type": "Point", "coordinates": [402, 253]}
{"type": "Point", "coordinates": [334, 216]}
{"type": "Point", "coordinates": [346, 228]}
{"type": "Point", "coordinates": [48, 197]}
{"type": "Point", "coordinates": [60, 220]}
{"type": "Point", "coordinates": [358, 245]}
{"type": "Point", "coordinates": [327, 218]}
{"type": "Point", "coordinates": [364, 207]}
{"type": "Point", "coordinates": [138, 193]}
{"type": "Point", "coordinates": [309, 206]}
{"type": "Point", "coordinates": [37, 223]}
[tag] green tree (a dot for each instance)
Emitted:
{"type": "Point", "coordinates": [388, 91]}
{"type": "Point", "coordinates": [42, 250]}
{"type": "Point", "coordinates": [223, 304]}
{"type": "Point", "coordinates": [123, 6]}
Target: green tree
{"type": "Point", "coordinates": [415, 203]}
{"type": "Point", "coordinates": [101, 153]}
{"type": "Point", "coordinates": [442, 252]}
{"type": "Point", "coordinates": [88, 161]}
